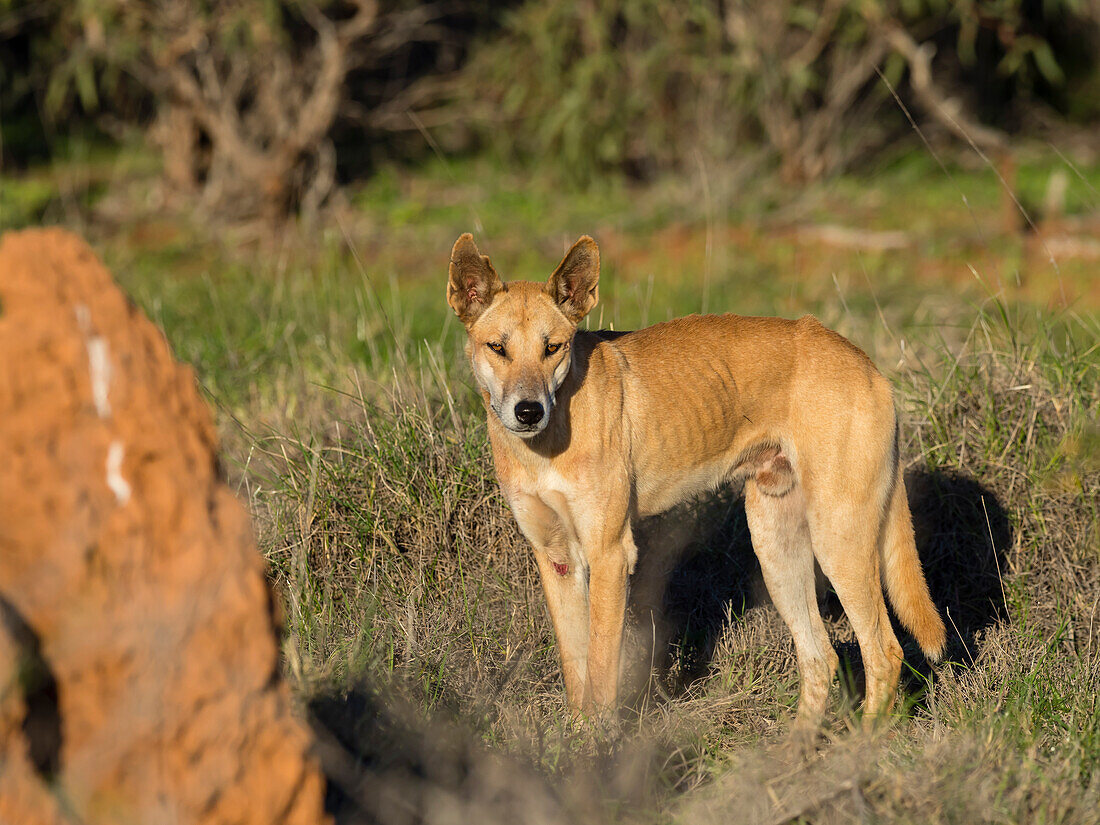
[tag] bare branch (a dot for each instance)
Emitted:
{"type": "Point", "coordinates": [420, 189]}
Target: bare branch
{"type": "Point", "coordinates": [364, 19]}
{"type": "Point", "coordinates": [812, 48]}
{"type": "Point", "coordinates": [266, 107]}
{"type": "Point", "coordinates": [947, 111]}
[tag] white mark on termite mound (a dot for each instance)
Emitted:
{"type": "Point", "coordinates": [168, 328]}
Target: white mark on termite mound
{"type": "Point", "coordinates": [99, 364]}
{"type": "Point", "coordinates": [99, 371]}
{"type": "Point", "coordinates": [119, 486]}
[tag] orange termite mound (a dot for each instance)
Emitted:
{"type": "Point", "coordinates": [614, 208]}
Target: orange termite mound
{"type": "Point", "coordinates": [138, 663]}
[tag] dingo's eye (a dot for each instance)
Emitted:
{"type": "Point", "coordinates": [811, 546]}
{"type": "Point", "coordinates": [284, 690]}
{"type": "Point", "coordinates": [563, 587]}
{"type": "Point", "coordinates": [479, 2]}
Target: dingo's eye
{"type": "Point", "coordinates": [495, 347]}
{"type": "Point", "coordinates": [552, 348]}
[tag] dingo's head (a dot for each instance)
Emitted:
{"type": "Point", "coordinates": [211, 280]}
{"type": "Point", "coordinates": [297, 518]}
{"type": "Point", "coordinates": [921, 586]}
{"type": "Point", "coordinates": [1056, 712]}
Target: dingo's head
{"type": "Point", "coordinates": [520, 334]}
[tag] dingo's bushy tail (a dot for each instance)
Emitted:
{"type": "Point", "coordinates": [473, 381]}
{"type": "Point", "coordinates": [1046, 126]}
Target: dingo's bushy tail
{"type": "Point", "coordinates": [904, 578]}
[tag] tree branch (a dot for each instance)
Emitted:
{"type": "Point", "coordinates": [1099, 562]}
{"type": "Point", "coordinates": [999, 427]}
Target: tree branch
{"type": "Point", "coordinates": [947, 111]}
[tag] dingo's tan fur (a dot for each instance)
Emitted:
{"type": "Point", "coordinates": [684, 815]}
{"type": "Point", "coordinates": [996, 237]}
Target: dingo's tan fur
{"type": "Point", "coordinates": [593, 431]}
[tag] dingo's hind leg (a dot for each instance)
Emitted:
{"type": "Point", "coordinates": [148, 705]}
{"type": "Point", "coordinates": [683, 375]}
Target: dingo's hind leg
{"type": "Point", "coordinates": [845, 540]}
{"type": "Point", "coordinates": [781, 540]}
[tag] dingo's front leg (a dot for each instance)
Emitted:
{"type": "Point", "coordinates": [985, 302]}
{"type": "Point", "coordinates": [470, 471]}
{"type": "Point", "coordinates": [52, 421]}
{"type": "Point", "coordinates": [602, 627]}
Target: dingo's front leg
{"type": "Point", "coordinates": [565, 586]}
{"type": "Point", "coordinates": [566, 590]}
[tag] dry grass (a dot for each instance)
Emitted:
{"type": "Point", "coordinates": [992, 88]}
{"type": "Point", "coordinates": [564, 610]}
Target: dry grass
{"type": "Point", "coordinates": [420, 643]}
{"type": "Point", "coordinates": [417, 640]}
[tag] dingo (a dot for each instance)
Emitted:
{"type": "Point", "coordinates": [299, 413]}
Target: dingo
{"type": "Point", "coordinates": [592, 431]}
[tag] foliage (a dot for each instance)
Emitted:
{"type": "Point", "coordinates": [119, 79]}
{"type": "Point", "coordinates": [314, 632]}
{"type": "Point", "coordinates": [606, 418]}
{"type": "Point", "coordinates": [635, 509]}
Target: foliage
{"type": "Point", "coordinates": [260, 106]}
{"type": "Point", "coordinates": [243, 96]}
{"type": "Point", "coordinates": [644, 85]}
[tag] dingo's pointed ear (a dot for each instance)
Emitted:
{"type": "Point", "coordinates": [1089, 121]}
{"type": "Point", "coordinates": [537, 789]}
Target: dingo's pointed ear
{"type": "Point", "coordinates": [574, 286]}
{"type": "Point", "coordinates": [472, 283]}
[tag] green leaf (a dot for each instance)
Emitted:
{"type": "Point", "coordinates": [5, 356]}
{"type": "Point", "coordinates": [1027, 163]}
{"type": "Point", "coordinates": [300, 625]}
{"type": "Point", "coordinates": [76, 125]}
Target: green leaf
{"type": "Point", "coordinates": [84, 77]}
{"type": "Point", "coordinates": [1047, 65]}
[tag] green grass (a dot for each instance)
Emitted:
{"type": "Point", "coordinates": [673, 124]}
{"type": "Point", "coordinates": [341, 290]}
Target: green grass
{"type": "Point", "coordinates": [1006, 731]}
{"type": "Point", "coordinates": [416, 635]}
{"type": "Point", "coordinates": [406, 574]}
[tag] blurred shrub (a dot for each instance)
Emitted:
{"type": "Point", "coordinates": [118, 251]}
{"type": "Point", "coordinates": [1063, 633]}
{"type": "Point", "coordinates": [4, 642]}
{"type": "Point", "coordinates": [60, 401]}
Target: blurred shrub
{"type": "Point", "coordinates": [242, 97]}
{"type": "Point", "coordinates": [260, 106]}
{"type": "Point", "coordinates": [248, 92]}
{"type": "Point", "coordinates": [31, 49]}
{"type": "Point", "coordinates": [643, 85]}
{"type": "Point", "coordinates": [23, 202]}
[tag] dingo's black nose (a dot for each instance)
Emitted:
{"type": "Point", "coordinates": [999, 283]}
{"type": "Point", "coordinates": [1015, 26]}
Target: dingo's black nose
{"type": "Point", "coordinates": [529, 412]}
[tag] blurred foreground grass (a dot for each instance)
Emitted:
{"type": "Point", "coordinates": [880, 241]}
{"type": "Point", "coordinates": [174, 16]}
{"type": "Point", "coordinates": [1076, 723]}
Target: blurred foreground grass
{"type": "Point", "coordinates": [417, 638]}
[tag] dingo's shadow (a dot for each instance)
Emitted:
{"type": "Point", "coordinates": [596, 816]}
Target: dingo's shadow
{"type": "Point", "coordinates": [385, 763]}
{"type": "Point", "coordinates": [962, 533]}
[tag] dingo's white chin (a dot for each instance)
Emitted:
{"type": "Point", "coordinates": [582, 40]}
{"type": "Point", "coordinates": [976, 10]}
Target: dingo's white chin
{"type": "Point", "coordinates": [525, 432]}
